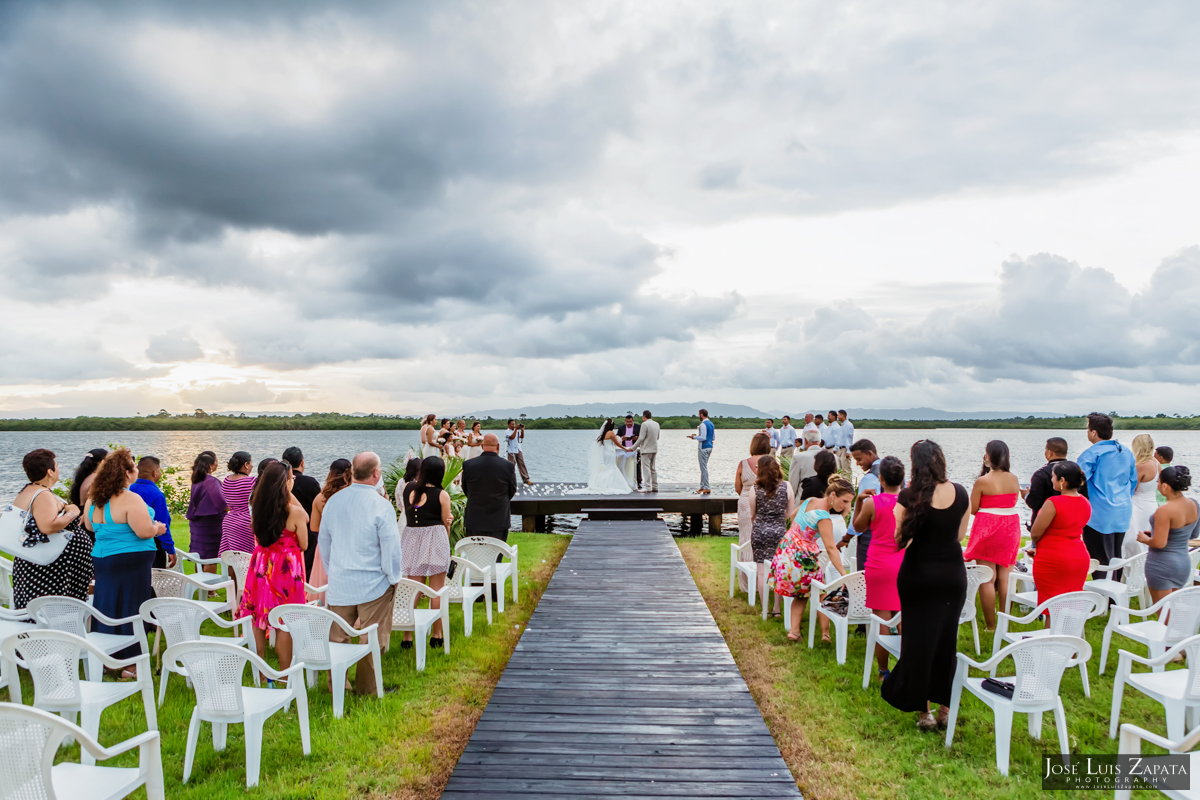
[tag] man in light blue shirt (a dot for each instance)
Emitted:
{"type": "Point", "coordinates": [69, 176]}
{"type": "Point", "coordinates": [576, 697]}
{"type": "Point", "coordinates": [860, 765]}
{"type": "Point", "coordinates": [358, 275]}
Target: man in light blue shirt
{"type": "Point", "coordinates": [360, 549]}
{"type": "Point", "coordinates": [787, 438]}
{"type": "Point", "coordinates": [705, 433]}
{"type": "Point", "coordinates": [772, 432]}
{"type": "Point", "coordinates": [1111, 474]}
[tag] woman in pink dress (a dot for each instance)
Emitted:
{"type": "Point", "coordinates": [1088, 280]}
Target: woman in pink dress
{"type": "Point", "coordinates": [996, 531]}
{"type": "Point", "coordinates": [276, 573]}
{"type": "Point", "coordinates": [743, 485]}
{"type": "Point", "coordinates": [883, 556]}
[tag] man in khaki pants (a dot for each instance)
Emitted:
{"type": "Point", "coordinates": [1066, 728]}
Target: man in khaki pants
{"type": "Point", "coordinates": [361, 554]}
{"type": "Point", "coordinates": [647, 449]}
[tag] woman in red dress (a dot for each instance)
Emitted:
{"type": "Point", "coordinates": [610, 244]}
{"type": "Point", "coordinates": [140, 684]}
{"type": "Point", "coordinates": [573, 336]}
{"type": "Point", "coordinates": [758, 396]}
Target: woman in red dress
{"type": "Point", "coordinates": [1061, 561]}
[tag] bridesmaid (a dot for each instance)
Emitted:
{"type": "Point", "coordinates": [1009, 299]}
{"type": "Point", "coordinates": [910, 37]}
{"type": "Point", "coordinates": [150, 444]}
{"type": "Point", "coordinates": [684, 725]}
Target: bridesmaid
{"type": "Point", "coordinates": [877, 514]}
{"type": "Point", "coordinates": [429, 445]}
{"type": "Point", "coordinates": [206, 509]}
{"type": "Point", "coordinates": [996, 533]}
{"type": "Point", "coordinates": [475, 441]}
{"type": "Point", "coordinates": [236, 489]}
{"type": "Point", "coordinates": [1145, 496]}
{"type": "Point", "coordinates": [743, 485]}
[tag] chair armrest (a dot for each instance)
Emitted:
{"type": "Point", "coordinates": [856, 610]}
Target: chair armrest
{"type": "Point", "coordinates": [738, 548]}
{"type": "Point", "coordinates": [1165, 658]}
{"type": "Point", "coordinates": [121, 663]}
{"type": "Point", "coordinates": [308, 587]}
{"type": "Point", "coordinates": [350, 630]}
{"type": "Point", "coordinates": [1113, 566]}
{"type": "Point", "coordinates": [986, 666]}
{"type": "Point", "coordinates": [196, 559]}
{"type": "Point", "coordinates": [104, 753]}
{"type": "Point", "coordinates": [834, 584]}
{"type": "Point", "coordinates": [224, 623]}
{"type": "Point", "coordinates": [890, 623]}
{"type": "Point", "coordinates": [425, 590]}
{"type": "Point", "coordinates": [14, 616]}
{"type": "Point", "coordinates": [1144, 613]}
{"type": "Point", "coordinates": [267, 669]}
{"type": "Point", "coordinates": [92, 612]}
{"type": "Point", "coordinates": [1132, 737]}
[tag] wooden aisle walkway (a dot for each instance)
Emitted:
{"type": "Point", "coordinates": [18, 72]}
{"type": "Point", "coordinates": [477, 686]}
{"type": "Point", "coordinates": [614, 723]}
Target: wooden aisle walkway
{"type": "Point", "coordinates": [621, 686]}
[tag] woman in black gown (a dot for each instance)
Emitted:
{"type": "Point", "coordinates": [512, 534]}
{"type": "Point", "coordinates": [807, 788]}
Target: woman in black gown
{"type": "Point", "coordinates": [931, 520]}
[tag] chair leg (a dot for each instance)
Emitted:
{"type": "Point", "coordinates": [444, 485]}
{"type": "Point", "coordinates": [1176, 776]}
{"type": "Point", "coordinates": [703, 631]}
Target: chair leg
{"type": "Point", "coordinates": [189, 754]}
{"type": "Point", "coordinates": [955, 699]}
{"type": "Point", "coordinates": [841, 630]}
{"type": "Point", "coordinates": [787, 613]}
{"type": "Point", "coordinates": [148, 700]}
{"type": "Point", "coordinates": [377, 662]}
{"type": "Point", "coordinates": [468, 616]}
{"type": "Point", "coordinates": [89, 720]}
{"type": "Point", "coordinates": [814, 600]}
{"type": "Point", "coordinates": [419, 642]}
{"type": "Point", "coordinates": [337, 685]}
{"type": "Point", "coordinates": [1118, 695]}
{"type": "Point", "coordinates": [302, 718]}
{"type": "Point", "coordinates": [1157, 649]}
{"type": "Point", "coordinates": [254, 730]}
{"type": "Point", "coordinates": [220, 735]}
{"type": "Point", "coordinates": [1060, 722]}
{"type": "Point", "coordinates": [162, 685]}
{"type": "Point", "coordinates": [150, 764]}
{"type": "Point", "coordinates": [1004, 719]}
{"type": "Point", "coordinates": [1083, 675]}
{"type": "Point", "coordinates": [732, 570]}
{"type": "Point", "coordinates": [751, 590]}
{"type": "Point", "coordinates": [975, 633]}
{"type": "Point", "coordinates": [1174, 721]}
{"type": "Point", "coordinates": [500, 594]}
{"type": "Point", "coordinates": [872, 634]}
{"type": "Point", "coordinates": [487, 599]}
{"type": "Point", "coordinates": [1034, 719]}
{"type": "Point", "coordinates": [1104, 643]}
{"type": "Point", "coordinates": [95, 668]}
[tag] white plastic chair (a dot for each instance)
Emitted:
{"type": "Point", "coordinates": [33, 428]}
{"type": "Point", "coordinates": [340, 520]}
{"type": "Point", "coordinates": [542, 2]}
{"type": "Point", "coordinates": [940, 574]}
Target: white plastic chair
{"type": "Point", "coordinates": [1040, 664]}
{"type": "Point", "coordinates": [1182, 621]}
{"type": "Point", "coordinates": [977, 575]}
{"type": "Point", "coordinates": [238, 564]}
{"type": "Point", "coordinates": [857, 611]}
{"type": "Point", "coordinates": [71, 615]}
{"type": "Point", "coordinates": [407, 617]}
{"type": "Point", "coordinates": [12, 623]}
{"type": "Point", "coordinates": [483, 550]}
{"type": "Point", "coordinates": [1193, 554]}
{"type": "Point", "coordinates": [747, 568]}
{"type": "Point", "coordinates": [1177, 690]}
{"type": "Point", "coordinates": [216, 672]}
{"type": "Point", "coordinates": [1021, 584]}
{"type": "Point", "coordinates": [199, 564]}
{"type": "Point", "coordinates": [180, 620]}
{"type": "Point", "coordinates": [172, 583]}
{"type": "Point", "coordinates": [1132, 583]}
{"type": "Point", "coordinates": [1131, 745]}
{"type": "Point", "coordinates": [1069, 613]}
{"type": "Point", "coordinates": [888, 641]}
{"type": "Point", "coordinates": [52, 658]}
{"type": "Point", "coordinates": [31, 740]}
{"type": "Point", "coordinates": [460, 589]}
{"type": "Point", "coordinates": [1029, 599]}
{"type": "Point", "coordinates": [309, 626]}
{"type": "Point", "coordinates": [6, 583]}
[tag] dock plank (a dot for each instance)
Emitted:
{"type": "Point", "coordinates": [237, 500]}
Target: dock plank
{"type": "Point", "coordinates": [621, 686]}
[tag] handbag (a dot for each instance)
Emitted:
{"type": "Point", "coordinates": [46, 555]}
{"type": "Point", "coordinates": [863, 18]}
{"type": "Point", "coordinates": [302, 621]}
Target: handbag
{"type": "Point", "coordinates": [1002, 688]}
{"type": "Point", "coordinates": [20, 536]}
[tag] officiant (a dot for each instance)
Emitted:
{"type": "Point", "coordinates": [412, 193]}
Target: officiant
{"type": "Point", "coordinates": [627, 461]}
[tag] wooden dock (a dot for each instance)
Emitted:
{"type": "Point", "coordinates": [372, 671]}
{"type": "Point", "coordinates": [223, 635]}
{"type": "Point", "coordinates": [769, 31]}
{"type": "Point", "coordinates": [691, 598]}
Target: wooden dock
{"type": "Point", "coordinates": [621, 686]}
{"type": "Point", "coordinates": [534, 503]}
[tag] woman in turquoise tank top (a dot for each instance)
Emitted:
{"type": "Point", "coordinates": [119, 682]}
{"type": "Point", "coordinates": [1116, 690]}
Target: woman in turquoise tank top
{"type": "Point", "coordinates": [124, 551]}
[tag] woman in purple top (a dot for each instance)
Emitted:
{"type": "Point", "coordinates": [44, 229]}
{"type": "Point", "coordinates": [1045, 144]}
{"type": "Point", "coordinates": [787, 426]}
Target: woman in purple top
{"type": "Point", "coordinates": [237, 488]}
{"type": "Point", "coordinates": [206, 508]}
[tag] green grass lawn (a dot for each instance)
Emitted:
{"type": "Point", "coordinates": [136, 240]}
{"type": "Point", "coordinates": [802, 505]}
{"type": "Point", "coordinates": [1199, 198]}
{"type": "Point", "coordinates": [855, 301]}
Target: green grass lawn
{"type": "Point", "coordinates": [843, 742]}
{"type": "Point", "coordinates": [401, 746]}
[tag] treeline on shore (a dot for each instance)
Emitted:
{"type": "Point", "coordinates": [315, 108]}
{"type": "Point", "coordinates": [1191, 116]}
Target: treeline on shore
{"type": "Point", "coordinates": [201, 421]}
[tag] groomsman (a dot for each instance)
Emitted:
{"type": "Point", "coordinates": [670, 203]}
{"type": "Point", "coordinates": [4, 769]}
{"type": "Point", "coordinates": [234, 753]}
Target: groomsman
{"type": "Point", "coordinates": [772, 432]}
{"type": "Point", "coordinates": [810, 426]}
{"type": "Point", "coordinates": [845, 440]}
{"type": "Point", "coordinates": [647, 449]}
{"type": "Point", "coordinates": [831, 433]}
{"type": "Point", "coordinates": [787, 437]}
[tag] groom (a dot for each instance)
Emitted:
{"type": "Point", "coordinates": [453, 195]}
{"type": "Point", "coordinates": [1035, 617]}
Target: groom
{"type": "Point", "coordinates": [628, 434]}
{"type": "Point", "coordinates": [647, 449]}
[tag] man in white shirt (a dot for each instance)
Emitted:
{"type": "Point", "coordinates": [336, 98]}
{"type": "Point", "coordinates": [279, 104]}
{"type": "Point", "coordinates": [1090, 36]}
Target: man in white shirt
{"type": "Point", "coordinates": [787, 438]}
{"type": "Point", "coordinates": [361, 555]}
{"type": "Point", "coordinates": [512, 449]}
{"type": "Point", "coordinates": [845, 441]}
{"type": "Point", "coordinates": [772, 432]}
{"type": "Point", "coordinates": [802, 463]}
{"type": "Point", "coordinates": [810, 426]}
{"type": "Point", "coordinates": [831, 433]}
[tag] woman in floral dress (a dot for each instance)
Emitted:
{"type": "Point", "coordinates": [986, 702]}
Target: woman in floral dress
{"type": "Point", "coordinates": [797, 562]}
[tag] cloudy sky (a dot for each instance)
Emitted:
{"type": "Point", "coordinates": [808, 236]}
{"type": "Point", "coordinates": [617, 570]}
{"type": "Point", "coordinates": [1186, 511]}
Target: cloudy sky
{"type": "Point", "coordinates": [447, 206]}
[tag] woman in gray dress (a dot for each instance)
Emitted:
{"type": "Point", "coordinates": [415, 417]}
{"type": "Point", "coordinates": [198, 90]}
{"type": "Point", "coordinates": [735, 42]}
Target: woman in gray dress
{"type": "Point", "coordinates": [1167, 564]}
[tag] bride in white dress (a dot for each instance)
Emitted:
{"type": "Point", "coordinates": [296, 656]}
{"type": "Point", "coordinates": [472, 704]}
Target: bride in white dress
{"type": "Point", "coordinates": [604, 476]}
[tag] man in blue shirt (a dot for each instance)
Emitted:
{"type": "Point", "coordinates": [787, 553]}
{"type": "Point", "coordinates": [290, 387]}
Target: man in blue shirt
{"type": "Point", "coordinates": [1111, 475]}
{"type": "Point", "coordinates": [704, 435]}
{"type": "Point", "coordinates": [868, 460]}
{"type": "Point", "coordinates": [787, 438]}
{"type": "Point", "coordinates": [146, 487]}
{"type": "Point", "coordinates": [773, 433]}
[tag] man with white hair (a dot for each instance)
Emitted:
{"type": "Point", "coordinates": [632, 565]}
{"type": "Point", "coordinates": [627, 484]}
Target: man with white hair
{"type": "Point", "coordinates": [802, 463]}
{"type": "Point", "coordinates": [360, 549]}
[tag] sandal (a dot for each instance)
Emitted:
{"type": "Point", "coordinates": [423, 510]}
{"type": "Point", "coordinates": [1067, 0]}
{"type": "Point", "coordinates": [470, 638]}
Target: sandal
{"type": "Point", "coordinates": [129, 674]}
{"type": "Point", "coordinates": [926, 721]}
{"type": "Point", "coordinates": [825, 639]}
{"type": "Point", "coordinates": [943, 720]}
{"type": "Point", "coordinates": [793, 638]}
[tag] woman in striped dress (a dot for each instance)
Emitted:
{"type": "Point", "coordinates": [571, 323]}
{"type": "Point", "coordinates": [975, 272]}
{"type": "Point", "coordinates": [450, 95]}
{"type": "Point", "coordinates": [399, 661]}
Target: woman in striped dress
{"type": "Point", "coordinates": [236, 533]}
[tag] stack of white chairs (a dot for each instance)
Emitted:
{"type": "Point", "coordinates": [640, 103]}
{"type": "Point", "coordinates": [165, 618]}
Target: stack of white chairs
{"type": "Point", "coordinates": [72, 616]}
{"type": "Point", "coordinates": [1040, 663]}
{"type": "Point", "coordinates": [12, 623]}
{"type": "Point", "coordinates": [1132, 583]}
{"type": "Point", "coordinates": [483, 550]}
{"type": "Point", "coordinates": [1131, 745]}
{"type": "Point", "coordinates": [309, 626]}
{"type": "Point", "coordinates": [52, 658]}
{"type": "Point", "coordinates": [179, 620]}
{"type": "Point", "coordinates": [1183, 620]}
{"type": "Point", "coordinates": [1178, 690]}
{"type": "Point", "coordinates": [1069, 613]}
{"type": "Point", "coordinates": [460, 588]}
{"type": "Point", "coordinates": [407, 617]}
{"type": "Point", "coordinates": [739, 565]}
{"type": "Point", "coordinates": [221, 699]}
{"type": "Point", "coordinates": [31, 740]}
{"type": "Point", "coordinates": [888, 641]}
{"type": "Point", "coordinates": [977, 575]}
{"type": "Point", "coordinates": [857, 612]}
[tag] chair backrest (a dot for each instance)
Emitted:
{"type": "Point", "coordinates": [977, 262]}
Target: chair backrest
{"type": "Point", "coordinates": [407, 594]}
{"type": "Point", "coordinates": [179, 619]}
{"type": "Point", "coordinates": [1134, 572]}
{"type": "Point", "coordinates": [309, 627]}
{"type": "Point", "coordinates": [1191, 646]}
{"type": "Point", "coordinates": [238, 562]}
{"type": "Point", "coordinates": [856, 585]}
{"type": "Point", "coordinates": [216, 673]}
{"type": "Point", "coordinates": [977, 575]}
{"type": "Point", "coordinates": [61, 614]}
{"type": "Point", "coordinates": [6, 588]}
{"type": "Point", "coordinates": [1069, 612]}
{"type": "Point", "coordinates": [31, 738]}
{"type": "Point", "coordinates": [460, 578]}
{"type": "Point", "coordinates": [167, 583]}
{"type": "Point", "coordinates": [1184, 619]}
{"type": "Point", "coordinates": [481, 549]}
{"type": "Point", "coordinates": [1040, 664]}
{"type": "Point", "coordinates": [52, 658]}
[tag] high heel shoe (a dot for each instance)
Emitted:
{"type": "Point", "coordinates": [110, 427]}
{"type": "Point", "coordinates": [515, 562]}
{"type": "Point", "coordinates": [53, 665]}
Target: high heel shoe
{"type": "Point", "coordinates": [435, 642]}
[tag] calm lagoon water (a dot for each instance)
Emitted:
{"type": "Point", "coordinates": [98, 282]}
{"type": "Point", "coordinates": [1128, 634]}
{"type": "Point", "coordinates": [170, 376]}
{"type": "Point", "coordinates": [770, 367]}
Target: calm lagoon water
{"type": "Point", "coordinates": [550, 455]}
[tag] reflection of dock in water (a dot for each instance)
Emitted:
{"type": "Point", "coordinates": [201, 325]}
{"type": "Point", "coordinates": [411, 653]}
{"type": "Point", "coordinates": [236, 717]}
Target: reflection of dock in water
{"type": "Point", "coordinates": [534, 503]}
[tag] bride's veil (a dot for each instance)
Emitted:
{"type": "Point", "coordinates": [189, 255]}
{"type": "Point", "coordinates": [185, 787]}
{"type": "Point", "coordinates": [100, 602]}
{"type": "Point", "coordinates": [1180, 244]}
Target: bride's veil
{"type": "Point", "coordinates": [596, 459]}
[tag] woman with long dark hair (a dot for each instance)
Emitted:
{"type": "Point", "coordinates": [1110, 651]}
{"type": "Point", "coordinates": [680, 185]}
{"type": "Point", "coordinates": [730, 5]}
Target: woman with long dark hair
{"type": "Point", "coordinates": [931, 519]}
{"type": "Point", "coordinates": [206, 509]}
{"type": "Point", "coordinates": [814, 486]}
{"type": "Point", "coordinates": [1061, 562]}
{"type": "Point", "coordinates": [425, 548]}
{"type": "Point", "coordinates": [237, 488]}
{"type": "Point", "coordinates": [276, 573]}
{"type": "Point", "coordinates": [772, 504]}
{"type": "Point", "coordinates": [429, 443]}
{"type": "Point", "coordinates": [339, 477]}
{"type": "Point", "coordinates": [996, 532]}
{"type": "Point", "coordinates": [1168, 567]}
{"type": "Point", "coordinates": [743, 485]}
{"type": "Point", "coordinates": [82, 482]}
